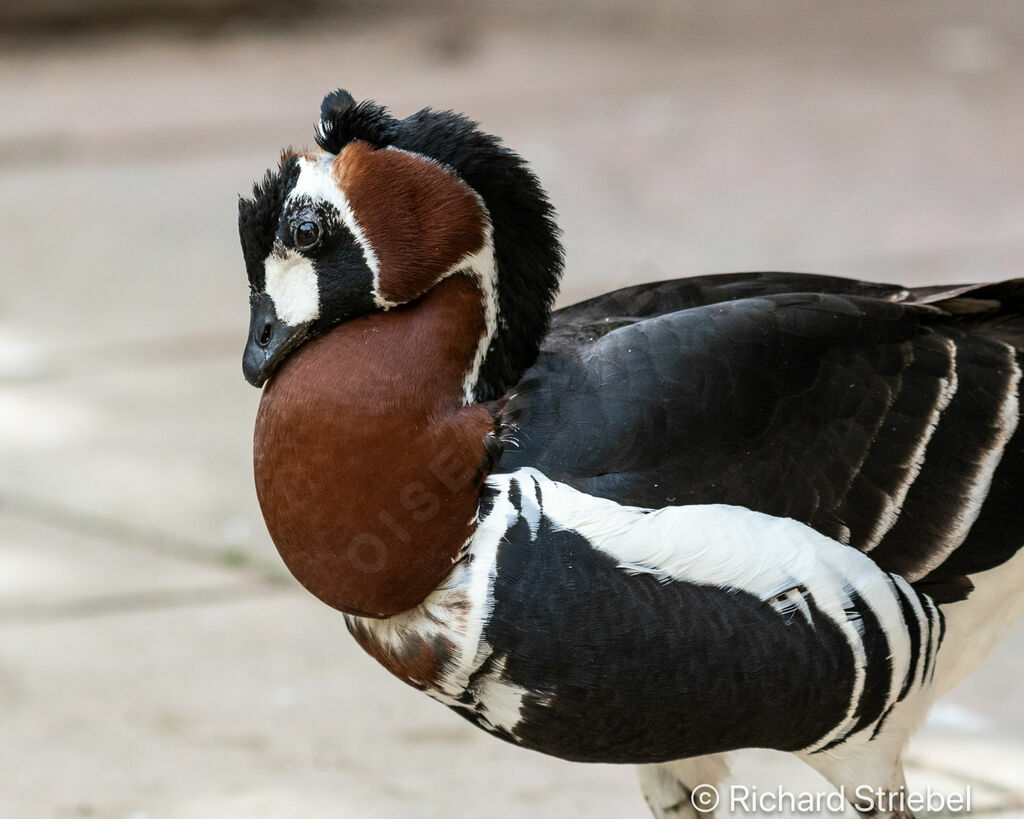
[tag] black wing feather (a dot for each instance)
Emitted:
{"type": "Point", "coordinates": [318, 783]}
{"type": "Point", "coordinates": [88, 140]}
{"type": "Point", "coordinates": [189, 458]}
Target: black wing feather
{"type": "Point", "coordinates": [864, 412]}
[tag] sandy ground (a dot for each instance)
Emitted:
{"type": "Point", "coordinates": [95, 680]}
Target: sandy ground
{"type": "Point", "coordinates": [155, 659]}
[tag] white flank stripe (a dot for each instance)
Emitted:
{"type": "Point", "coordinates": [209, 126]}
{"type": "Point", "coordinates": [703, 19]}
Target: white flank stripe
{"type": "Point", "coordinates": [501, 703]}
{"type": "Point", "coordinates": [725, 546]}
{"type": "Point", "coordinates": [932, 636]}
{"type": "Point", "coordinates": [921, 625]}
{"type": "Point", "coordinates": [898, 636]}
{"type": "Point", "coordinates": [734, 547]}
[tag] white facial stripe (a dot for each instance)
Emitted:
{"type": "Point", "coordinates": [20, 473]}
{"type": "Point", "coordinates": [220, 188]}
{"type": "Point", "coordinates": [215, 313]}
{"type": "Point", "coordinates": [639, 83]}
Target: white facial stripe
{"type": "Point", "coordinates": [317, 182]}
{"type": "Point", "coordinates": [292, 286]}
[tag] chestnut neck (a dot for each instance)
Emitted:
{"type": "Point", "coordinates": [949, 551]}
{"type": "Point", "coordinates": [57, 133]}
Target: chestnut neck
{"type": "Point", "coordinates": [368, 461]}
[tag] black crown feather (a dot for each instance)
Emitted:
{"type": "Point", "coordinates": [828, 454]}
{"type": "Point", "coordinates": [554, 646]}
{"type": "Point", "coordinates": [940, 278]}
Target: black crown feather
{"type": "Point", "coordinates": [527, 250]}
{"type": "Point", "coordinates": [342, 120]}
{"type": "Point", "coordinates": [257, 217]}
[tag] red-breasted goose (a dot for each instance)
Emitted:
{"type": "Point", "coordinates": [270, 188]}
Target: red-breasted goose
{"type": "Point", "coordinates": [675, 520]}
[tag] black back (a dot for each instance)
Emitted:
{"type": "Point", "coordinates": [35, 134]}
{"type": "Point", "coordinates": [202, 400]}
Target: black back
{"type": "Point", "coordinates": [814, 406]}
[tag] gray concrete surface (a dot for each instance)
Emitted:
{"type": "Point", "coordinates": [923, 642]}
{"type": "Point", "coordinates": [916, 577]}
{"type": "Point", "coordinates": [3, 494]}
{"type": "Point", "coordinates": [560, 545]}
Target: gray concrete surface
{"type": "Point", "coordinates": [155, 659]}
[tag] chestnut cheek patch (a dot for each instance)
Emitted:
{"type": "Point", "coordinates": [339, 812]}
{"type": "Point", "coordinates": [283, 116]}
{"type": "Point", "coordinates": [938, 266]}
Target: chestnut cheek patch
{"type": "Point", "coordinates": [419, 218]}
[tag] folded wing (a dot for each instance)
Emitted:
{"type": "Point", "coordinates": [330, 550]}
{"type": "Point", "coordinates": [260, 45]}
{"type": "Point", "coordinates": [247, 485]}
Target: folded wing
{"type": "Point", "coordinates": [883, 417]}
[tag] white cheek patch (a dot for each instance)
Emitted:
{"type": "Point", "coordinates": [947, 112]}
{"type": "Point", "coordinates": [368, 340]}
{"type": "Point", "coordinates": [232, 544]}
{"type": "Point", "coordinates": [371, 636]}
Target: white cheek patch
{"type": "Point", "coordinates": [316, 181]}
{"type": "Point", "coordinates": [292, 285]}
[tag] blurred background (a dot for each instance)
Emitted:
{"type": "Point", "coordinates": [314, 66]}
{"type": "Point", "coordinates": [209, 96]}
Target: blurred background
{"type": "Point", "coordinates": [155, 658]}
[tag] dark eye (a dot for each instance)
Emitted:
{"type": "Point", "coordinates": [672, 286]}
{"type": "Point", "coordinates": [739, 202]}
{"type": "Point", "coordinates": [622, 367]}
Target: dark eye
{"type": "Point", "coordinates": [307, 234]}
